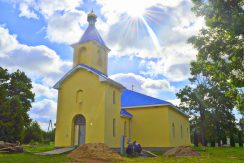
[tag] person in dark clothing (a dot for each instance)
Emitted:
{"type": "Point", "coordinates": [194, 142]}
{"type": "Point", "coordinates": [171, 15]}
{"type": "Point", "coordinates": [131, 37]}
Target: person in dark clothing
{"type": "Point", "coordinates": [129, 149]}
{"type": "Point", "coordinates": [137, 147]}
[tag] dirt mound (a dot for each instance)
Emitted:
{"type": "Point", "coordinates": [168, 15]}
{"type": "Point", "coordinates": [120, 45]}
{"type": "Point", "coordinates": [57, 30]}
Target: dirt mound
{"type": "Point", "coordinates": [181, 151]}
{"type": "Point", "coordinates": [94, 153]}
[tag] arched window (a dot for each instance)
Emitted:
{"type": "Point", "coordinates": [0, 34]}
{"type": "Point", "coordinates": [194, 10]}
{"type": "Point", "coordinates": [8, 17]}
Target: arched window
{"type": "Point", "coordinates": [124, 128]}
{"type": "Point", "coordinates": [79, 120]}
{"type": "Point", "coordinates": [100, 58]}
{"type": "Point", "coordinates": [114, 97]}
{"type": "Point", "coordinates": [79, 96]}
{"type": "Point", "coordinates": [173, 130]}
{"type": "Point", "coordinates": [81, 53]}
{"type": "Point", "coordinates": [114, 125]}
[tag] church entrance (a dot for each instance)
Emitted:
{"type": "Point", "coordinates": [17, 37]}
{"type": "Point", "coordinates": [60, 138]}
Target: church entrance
{"type": "Point", "coordinates": [79, 130]}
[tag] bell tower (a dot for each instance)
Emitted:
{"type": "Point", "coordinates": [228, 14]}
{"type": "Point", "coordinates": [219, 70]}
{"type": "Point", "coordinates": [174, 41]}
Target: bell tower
{"type": "Point", "coordinates": [91, 49]}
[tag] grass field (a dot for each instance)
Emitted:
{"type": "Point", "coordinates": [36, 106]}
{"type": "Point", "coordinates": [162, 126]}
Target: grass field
{"type": "Point", "coordinates": [208, 156]}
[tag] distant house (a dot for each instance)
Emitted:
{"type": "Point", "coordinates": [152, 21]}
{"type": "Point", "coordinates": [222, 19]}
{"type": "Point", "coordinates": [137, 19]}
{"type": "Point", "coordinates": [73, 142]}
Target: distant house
{"type": "Point", "coordinates": [92, 108]}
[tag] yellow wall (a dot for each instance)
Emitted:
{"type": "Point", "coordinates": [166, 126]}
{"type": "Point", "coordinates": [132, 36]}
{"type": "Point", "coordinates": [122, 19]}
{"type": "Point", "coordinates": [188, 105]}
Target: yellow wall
{"type": "Point", "coordinates": [178, 120]}
{"type": "Point", "coordinates": [91, 106]}
{"type": "Point", "coordinates": [91, 54]}
{"type": "Point", "coordinates": [112, 111]}
{"type": "Point", "coordinates": [151, 127]}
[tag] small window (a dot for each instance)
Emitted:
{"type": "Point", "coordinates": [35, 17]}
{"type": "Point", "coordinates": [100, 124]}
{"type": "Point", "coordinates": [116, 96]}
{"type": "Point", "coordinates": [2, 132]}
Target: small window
{"type": "Point", "coordinates": [79, 96]}
{"type": "Point", "coordinates": [113, 97]}
{"type": "Point", "coordinates": [124, 128]}
{"type": "Point", "coordinates": [181, 131]}
{"type": "Point", "coordinates": [100, 58]}
{"type": "Point", "coordinates": [82, 51]}
{"type": "Point", "coordinates": [187, 132]}
{"type": "Point", "coordinates": [114, 124]}
{"type": "Point", "coordinates": [173, 130]}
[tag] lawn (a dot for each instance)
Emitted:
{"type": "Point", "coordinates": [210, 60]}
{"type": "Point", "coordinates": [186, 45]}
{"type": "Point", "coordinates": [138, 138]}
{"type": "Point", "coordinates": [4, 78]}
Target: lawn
{"type": "Point", "coordinates": [210, 155]}
{"type": "Point", "coordinates": [28, 156]}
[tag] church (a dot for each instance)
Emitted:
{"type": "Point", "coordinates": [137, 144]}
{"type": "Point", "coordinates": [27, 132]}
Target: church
{"type": "Point", "coordinates": [92, 108]}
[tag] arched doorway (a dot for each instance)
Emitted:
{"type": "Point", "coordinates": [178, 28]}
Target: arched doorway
{"type": "Point", "coordinates": [79, 130]}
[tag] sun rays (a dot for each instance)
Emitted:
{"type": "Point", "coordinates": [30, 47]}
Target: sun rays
{"type": "Point", "coordinates": [136, 20]}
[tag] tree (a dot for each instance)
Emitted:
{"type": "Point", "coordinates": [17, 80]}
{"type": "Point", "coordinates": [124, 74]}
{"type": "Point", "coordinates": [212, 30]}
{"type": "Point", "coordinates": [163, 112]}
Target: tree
{"type": "Point", "coordinates": [220, 62]}
{"type": "Point", "coordinates": [227, 14]}
{"type": "Point", "coordinates": [15, 102]}
{"type": "Point", "coordinates": [207, 103]}
{"type": "Point", "coordinates": [194, 102]}
{"type": "Point", "coordinates": [221, 46]}
{"type": "Point", "coordinates": [33, 132]}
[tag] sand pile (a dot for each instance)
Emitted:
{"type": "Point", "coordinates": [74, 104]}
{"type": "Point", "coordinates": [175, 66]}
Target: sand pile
{"type": "Point", "coordinates": [94, 153]}
{"type": "Point", "coordinates": [181, 151]}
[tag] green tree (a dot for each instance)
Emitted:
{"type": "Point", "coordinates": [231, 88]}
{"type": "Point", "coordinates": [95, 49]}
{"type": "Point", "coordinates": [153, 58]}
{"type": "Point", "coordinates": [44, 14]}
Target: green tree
{"type": "Point", "coordinates": [15, 102]}
{"type": "Point", "coordinates": [194, 102]}
{"type": "Point", "coordinates": [220, 62]}
{"type": "Point", "coordinates": [221, 45]}
{"type": "Point", "coordinates": [33, 132]}
{"type": "Point", "coordinates": [227, 14]}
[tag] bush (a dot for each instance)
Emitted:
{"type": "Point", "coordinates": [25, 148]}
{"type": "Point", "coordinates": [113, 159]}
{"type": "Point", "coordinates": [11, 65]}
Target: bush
{"type": "Point", "coordinates": [33, 133]}
{"type": "Point", "coordinates": [232, 141]}
{"type": "Point", "coordinates": [240, 139]}
{"type": "Point", "coordinates": [48, 136]}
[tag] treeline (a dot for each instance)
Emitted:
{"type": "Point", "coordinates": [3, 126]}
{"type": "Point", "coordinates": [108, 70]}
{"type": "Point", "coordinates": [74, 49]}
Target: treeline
{"type": "Point", "coordinates": [217, 75]}
{"type": "Point", "coordinates": [15, 102]}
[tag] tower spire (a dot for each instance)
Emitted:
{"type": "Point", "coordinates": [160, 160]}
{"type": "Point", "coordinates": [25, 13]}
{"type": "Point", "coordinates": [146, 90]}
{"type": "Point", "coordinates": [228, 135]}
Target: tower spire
{"type": "Point", "coordinates": [92, 18]}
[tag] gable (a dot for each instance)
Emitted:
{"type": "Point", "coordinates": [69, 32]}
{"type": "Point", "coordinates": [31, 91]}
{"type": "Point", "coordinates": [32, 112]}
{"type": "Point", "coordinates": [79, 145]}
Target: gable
{"type": "Point", "coordinates": [102, 77]}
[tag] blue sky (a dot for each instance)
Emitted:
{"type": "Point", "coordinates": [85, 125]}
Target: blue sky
{"type": "Point", "coordinates": [147, 41]}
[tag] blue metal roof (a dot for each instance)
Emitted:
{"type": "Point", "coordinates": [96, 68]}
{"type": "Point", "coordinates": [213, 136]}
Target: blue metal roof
{"type": "Point", "coordinates": [131, 98]}
{"type": "Point", "coordinates": [90, 34]}
{"type": "Point", "coordinates": [124, 113]}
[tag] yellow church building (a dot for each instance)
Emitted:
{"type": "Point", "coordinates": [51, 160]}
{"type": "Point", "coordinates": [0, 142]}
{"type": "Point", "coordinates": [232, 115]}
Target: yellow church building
{"type": "Point", "coordinates": [92, 108]}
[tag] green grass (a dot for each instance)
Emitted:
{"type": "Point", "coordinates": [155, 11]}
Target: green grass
{"type": "Point", "coordinates": [214, 155]}
{"type": "Point", "coordinates": [38, 148]}
{"type": "Point", "coordinates": [210, 155]}
{"type": "Point", "coordinates": [29, 157]}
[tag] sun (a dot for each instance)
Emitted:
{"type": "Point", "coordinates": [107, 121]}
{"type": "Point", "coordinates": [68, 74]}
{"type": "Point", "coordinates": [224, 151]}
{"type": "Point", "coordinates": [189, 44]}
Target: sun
{"type": "Point", "coordinates": [135, 11]}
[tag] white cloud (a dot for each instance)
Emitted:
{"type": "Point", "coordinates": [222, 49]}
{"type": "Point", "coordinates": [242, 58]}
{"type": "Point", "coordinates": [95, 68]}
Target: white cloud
{"type": "Point", "coordinates": [172, 22]}
{"type": "Point", "coordinates": [44, 61]}
{"type": "Point", "coordinates": [141, 84]}
{"type": "Point", "coordinates": [176, 102]}
{"type": "Point", "coordinates": [62, 17]}
{"type": "Point", "coordinates": [26, 12]}
{"type": "Point", "coordinates": [7, 42]}
{"type": "Point", "coordinates": [42, 65]}
{"type": "Point", "coordinates": [43, 111]}
{"type": "Point", "coordinates": [174, 64]}
{"type": "Point", "coordinates": [66, 28]}
{"type": "Point", "coordinates": [41, 90]}
{"type": "Point", "coordinates": [49, 8]}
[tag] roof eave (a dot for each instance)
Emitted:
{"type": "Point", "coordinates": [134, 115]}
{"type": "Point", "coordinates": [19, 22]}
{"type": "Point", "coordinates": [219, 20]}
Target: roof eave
{"type": "Point", "coordinates": [170, 105]}
{"type": "Point", "coordinates": [101, 78]}
{"type": "Point", "coordinates": [105, 47]}
{"type": "Point", "coordinates": [126, 116]}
